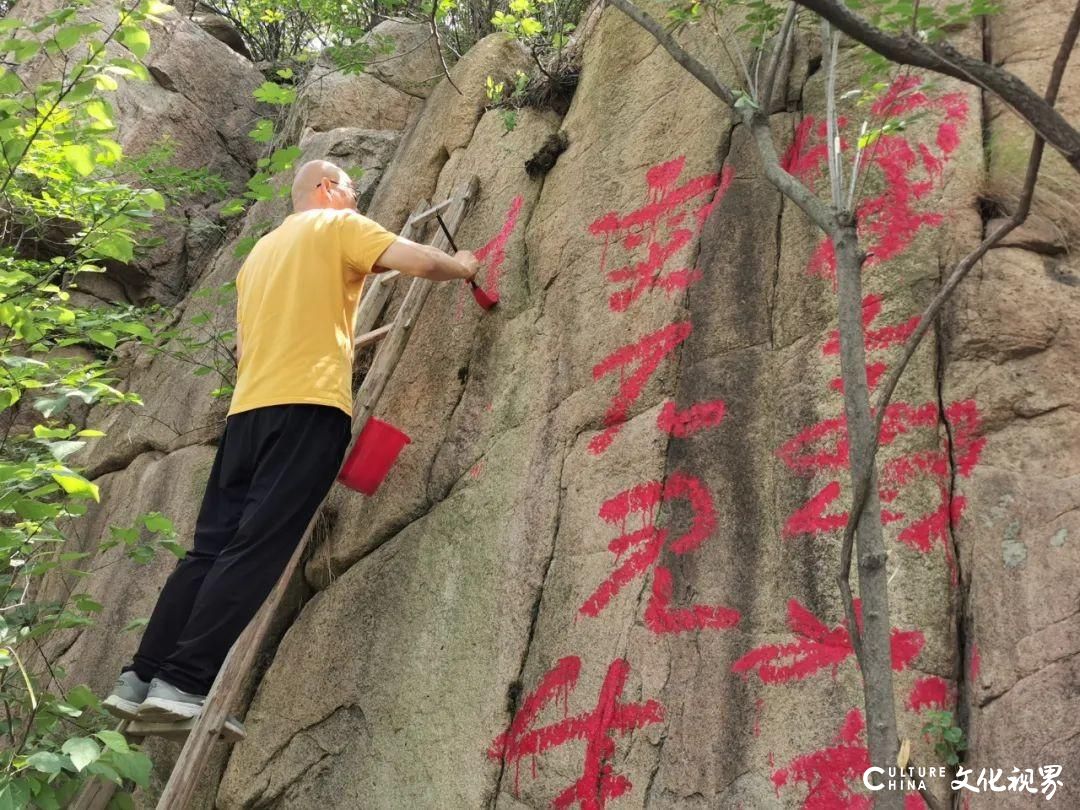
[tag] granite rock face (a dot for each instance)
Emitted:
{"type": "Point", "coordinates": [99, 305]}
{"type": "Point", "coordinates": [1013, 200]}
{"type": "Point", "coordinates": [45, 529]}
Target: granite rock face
{"type": "Point", "coordinates": [606, 565]}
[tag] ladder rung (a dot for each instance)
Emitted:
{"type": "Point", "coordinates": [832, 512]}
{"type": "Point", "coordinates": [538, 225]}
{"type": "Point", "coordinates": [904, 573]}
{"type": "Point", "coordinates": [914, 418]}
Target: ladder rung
{"type": "Point", "coordinates": [234, 730]}
{"type": "Point", "coordinates": [426, 215]}
{"type": "Point", "coordinates": [373, 336]}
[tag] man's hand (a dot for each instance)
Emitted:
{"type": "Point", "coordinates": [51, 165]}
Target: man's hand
{"type": "Point", "coordinates": [467, 258]}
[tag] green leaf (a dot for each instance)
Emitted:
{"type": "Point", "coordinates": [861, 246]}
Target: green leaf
{"type": "Point", "coordinates": [21, 49]}
{"type": "Point", "coordinates": [68, 36]}
{"type": "Point", "coordinates": [115, 246]}
{"type": "Point", "coordinates": [135, 328]}
{"type": "Point", "coordinates": [233, 207]}
{"type": "Point", "coordinates": [135, 39]}
{"type": "Point", "coordinates": [114, 740]}
{"type": "Point", "coordinates": [61, 450]}
{"type": "Point", "coordinates": [134, 766]}
{"type": "Point", "coordinates": [78, 157]}
{"type": "Point", "coordinates": [46, 762]}
{"type": "Point", "coordinates": [82, 751]}
{"type": "Point", "coordinates": [34, 510]}
{"type": "Point", "coordinates": [15, 794]}
{"type": "Point", "coordinates": [82, 697]}
{"type": "Point", "coordinates": [99, 110]}
{"type": "Point", "coordinates": [154, 200]}
{"type": "Point", "coordinates": [531, 27]}
{"type": "Point", "coordinates": [157, 522]}
{"type": "Point", "coordinates": [134, 624]}
{"type": "Point", "coordinates": [105, 82]}
{"type": "Point", "coordinates": [282, 159]}
{"type": "Point", "coordinates": [75, 484]}
{"type": "Point", "coordinates": [121, 801]}
{"type": "Point", "coordinates": [9, 82]}
{"type": "Point", "coordinates": [263, 131]}
{"type": "Point", "coordinates": [103, 336]}
{"type": "Point", "coordinates": [88, 605]}
{"type": "Point", "coordinates": [273, 93]}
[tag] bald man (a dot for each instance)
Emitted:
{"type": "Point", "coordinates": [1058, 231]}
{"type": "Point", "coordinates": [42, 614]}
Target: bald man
{"type": "Point", "coordinates": [286, 431]}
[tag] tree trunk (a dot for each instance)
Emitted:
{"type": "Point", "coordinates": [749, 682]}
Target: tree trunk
{"type": "Point", "coordinates": [876, 655]}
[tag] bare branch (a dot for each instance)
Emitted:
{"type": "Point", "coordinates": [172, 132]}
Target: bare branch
{"type": "Point", "coordinates": [438, 47]}
{"type": "Point", "coordinates": [782, 41]}
{"type": "Point", "coordinates": [830, 45]}
{"type": "Point", "coordinates": [692, 65]}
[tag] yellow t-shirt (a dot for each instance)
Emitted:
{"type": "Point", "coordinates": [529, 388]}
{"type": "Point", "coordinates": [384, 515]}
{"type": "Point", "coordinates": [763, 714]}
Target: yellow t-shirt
{"type": "Point", "coordinates": [297, 294]}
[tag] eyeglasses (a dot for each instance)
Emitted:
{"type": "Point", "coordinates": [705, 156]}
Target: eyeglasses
{"type": "Point", "coordinates": [347, 186]}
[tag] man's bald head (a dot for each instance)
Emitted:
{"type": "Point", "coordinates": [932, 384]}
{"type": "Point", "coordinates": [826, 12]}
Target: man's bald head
{"type": "Point", "coordinates": [321, 184]}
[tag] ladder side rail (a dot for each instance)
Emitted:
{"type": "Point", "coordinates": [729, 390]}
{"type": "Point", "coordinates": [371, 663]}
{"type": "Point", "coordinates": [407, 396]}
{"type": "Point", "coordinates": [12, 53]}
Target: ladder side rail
{"type": "Point", "coordinates": [377, 288]}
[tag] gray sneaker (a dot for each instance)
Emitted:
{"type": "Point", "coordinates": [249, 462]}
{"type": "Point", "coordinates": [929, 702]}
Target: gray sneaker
{"type": "Point", "coordinates": [130, 691]}
{"type": "Point", "coordinates": [164, 702]}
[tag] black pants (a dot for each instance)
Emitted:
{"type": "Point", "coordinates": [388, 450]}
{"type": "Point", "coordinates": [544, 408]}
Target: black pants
{"type": "Point", "coordinates": [274, 465]}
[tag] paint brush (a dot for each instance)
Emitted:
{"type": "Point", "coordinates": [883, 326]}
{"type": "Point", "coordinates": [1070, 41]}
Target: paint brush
{"type": "Point", "coordinates": [482, 298]}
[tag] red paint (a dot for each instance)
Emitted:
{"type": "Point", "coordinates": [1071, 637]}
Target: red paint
{"type": "Point", "coordinates": [647, 542]}
{"type": "Point", "coordinates": [655, 227]}
{"type": "Point", "coordinates": [647, 354]}
{"type": "Point", "coordinates": [477, 469]}
{"type": "Point", "coordinates": [888, 222]}
{"type": "Point", "coordinates": [876, 340]}
{"type": "Point", "coordinates": [697, 417]}
{"type": "Point", "coordinates": [494, 252]}
{"type": "Point", "coordinates": [804, 158]}
{"type": "Point", "coordinates": [824, 447]}
{"type": "Point", "coordinates": [595, 728]}
{"type": "Point", "coordinates": [660, 617]}
{"type": "Point", "coordinates": [830, 773]}
{"type": "Point", "coordinates": [929, 692]}
{"type": "Point", "coordinates": [759, 708]}
{"type": "Point", "coordinates": [817, 647]}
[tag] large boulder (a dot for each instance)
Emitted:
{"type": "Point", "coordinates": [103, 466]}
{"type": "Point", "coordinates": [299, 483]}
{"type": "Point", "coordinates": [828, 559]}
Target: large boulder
{"type": "Point", "coordinates": [199, 101]}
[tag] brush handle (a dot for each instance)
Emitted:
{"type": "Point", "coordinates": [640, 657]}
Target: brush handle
{"type": "Point", "coordinates": [452, 245]}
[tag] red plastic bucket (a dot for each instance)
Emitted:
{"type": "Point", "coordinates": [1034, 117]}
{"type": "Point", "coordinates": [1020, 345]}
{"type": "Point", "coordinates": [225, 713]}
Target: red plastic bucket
{"type": "Point", "coordinates": [372, 456]}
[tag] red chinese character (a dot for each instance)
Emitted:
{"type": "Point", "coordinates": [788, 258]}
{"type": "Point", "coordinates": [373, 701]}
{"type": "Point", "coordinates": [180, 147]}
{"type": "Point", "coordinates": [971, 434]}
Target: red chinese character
{"type": "Point", "coordinates": [930, 692]}
{"type": "Point", "coordinates": [660, 617]}
{"type": "Point", "coordinates": [825, 447]}
{"type": "Point", "coordinates": [817, 647]}
{"type": "Point", "coordinates": [876, 339]}
{"type": "Point", "coordinates": [829, 772]}
{"type": "Point", "coordinates": [656, 227]}
{"type": "Point", "coordinates": [647, 353]}
{"type": "Point", "coordinates": [598, 782]}
{"type": "Point", "coordinates": [889, 221]}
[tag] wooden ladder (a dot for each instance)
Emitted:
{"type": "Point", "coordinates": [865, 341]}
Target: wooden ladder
{"type": "Point", "coordinates": [204, 730]}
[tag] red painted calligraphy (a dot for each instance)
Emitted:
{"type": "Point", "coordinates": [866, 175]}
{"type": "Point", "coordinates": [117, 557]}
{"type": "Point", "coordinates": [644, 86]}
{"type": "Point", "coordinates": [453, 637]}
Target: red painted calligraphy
{"type": "Point", "coordinates": [889, 221]}
{"type": "Point", "coordinates": [598, 783]}
{"type": "Point", "coordinates": [647, 353]}
{"type": "Point", "coordinates": [647, 541]}
{"type": "Point", "coordinates": [817, 647]}
{"type": "Point", "coordinates": [656, 227]}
